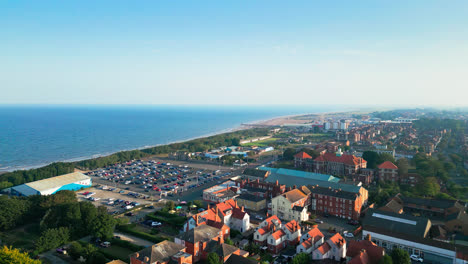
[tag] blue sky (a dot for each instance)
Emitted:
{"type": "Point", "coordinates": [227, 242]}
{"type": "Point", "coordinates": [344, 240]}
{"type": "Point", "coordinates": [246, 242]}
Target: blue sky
{"type": "Point", "coordinates": [234, 52]}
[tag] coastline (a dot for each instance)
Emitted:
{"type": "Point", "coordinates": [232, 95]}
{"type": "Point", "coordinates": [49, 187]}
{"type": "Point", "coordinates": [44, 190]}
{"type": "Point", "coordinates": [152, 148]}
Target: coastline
{"type": "Point", "coordinates": [275, 121]}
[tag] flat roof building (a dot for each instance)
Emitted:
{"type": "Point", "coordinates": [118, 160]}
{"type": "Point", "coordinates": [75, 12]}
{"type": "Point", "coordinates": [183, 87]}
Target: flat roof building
{"type": "Point", "coordinates": [71, 181]}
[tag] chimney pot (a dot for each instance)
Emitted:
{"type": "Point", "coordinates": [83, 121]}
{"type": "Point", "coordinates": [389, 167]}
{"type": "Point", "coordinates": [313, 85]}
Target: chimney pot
{"type": "Point", "coordinates": [146, 259]}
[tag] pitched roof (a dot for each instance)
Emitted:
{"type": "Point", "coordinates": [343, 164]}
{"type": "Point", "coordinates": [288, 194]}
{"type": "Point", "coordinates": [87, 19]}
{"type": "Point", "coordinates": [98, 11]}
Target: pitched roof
{"type": "Point", "coordinates": [292, 226]}
{"type": "Point", "coordinates": [315, 233]}
{"type": "Point", "coordinates": [54, 182]}
{"type": "Point", "coordinates": [278, 234]}
{"type": "Point", "coordinates": [236, 259]}
{"type": "Point", "coordinates": [200, 233]}
{"type": "Point", "coordinates": [334, 192]}
{"type": "Point", "coordinates": [396, 223]}
{"type": "Point", "coordinates": [271, 218]}
{"type": "Point", "coordinates": [160, 252]}
{"type": "Point", "coordinates": [255, 173]}
{"type": "Point", "coordinates": [302, 155]}
{"type": "Point", "coordinates": [294, 195]}
{"type": "Point", "coordinates": [346, 159]}
{"type": "Point", "coordinates": [392, 206]}
{"type": "Point", "coordinates": [361, 258]}
{"type": "Point", "coordinates": [223, 249]}
{"type": "Point", "coordinates": [307, 243]}
{"type": "Point", "coordinates": [250, 197]}
{"type": "Point", "coordinates": [338, 240]}
{"type": "Point", "coordinates": [288, 173]}
{"type": "Point", "coordinates": [388, 165]}
{"type": "Point", "coordinates": [374, 252]}
{"type": "Point", "coordinates": [238, 213]}
{"type": "Point", "coordinates": [324, 248]}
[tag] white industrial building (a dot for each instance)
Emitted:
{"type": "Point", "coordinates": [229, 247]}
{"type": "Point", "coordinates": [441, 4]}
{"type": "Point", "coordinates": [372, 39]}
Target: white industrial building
{"type": "Point", "coordinates": [72, 182]}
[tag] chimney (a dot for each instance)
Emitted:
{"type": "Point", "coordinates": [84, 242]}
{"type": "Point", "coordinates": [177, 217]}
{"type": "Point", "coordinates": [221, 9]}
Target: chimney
{"type": "Point", "coordinates": [294, 187]}
{"type": "Point", "coordinates": [277, 183]}
{"type": "Point", "coordinates": [146, 260]}
{"type": "Point", "coordinates": [267, 215]}
{"type": "Point", "coordinates": [208, 207]}
{"type": "Point", "coordinates": [137, 255]}
{"type": "Point", "coordinates": [236, 203]}
{"type": "Point", "coordinates": [368, 237]}
{"type": "Point", "coordinates": [242, 208]}
{"type": "Point", "coordinates": [216, 210]}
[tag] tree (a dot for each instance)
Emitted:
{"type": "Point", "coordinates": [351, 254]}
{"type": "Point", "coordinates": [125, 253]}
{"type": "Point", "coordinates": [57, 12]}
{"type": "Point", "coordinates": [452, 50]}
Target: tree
{"type": "Point", "coordinates": [289, 153]}
{"type": "Point", "coordinates": [228, 241]}
{"type": "Point", "coordinates": [385, 157]}
{"type": "Point", "coordinates": [104, 226]}
{"type": "Point", "coordinates": [52, 238]}
{"type": "Point", "coordinates": [429, 187]}
{"type": "Point", "coordinates": [301, 258]}
{"type": "Point", "coordinates": [213, 258]}
{"type": "Point", "coordinates": [169, 205]}
{"type": "Point", "coordinates": [75, 250]}
{"type": "Point", "coordinates": [403, 166]}
{"type": "Point", "coordinates": [372, 159]}
{"type": "Point", "coordinates": [386, 259]}
{"type": "Point", "coordinates": [96, 258]}
{"type": "Point", "coordinates": [400, 256]}
{"type": "Point", "coordinates": [12, 255]}
{"type": "Point", "coordinates": [198, 203]}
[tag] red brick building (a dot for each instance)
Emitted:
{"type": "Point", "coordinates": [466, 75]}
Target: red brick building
{"type": "Point", "coordinates": [338, 164]}
{"type": "Point", "coordinates": [341, 201]}
{"type": "Point", "coordinates": [270, 189]}
{"type": "Point", "coordinates": [196, 240]}
{"type": "Point", "coordinates": [303, 160]}
{"type": "Point", "coordinates": [388, 172]}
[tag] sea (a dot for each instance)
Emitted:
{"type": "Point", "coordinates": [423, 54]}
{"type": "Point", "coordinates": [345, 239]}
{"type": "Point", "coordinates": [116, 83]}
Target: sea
{"type": "Point", "coordinates": [37, 135]}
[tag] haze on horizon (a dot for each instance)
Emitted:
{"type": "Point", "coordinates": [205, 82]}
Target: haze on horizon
{"type": "Point", "coordinates": [220, 52]}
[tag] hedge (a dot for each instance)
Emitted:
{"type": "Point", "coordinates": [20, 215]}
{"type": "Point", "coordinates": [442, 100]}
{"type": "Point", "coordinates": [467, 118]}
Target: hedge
{"type": "Point", "coordinates": [130, 230]}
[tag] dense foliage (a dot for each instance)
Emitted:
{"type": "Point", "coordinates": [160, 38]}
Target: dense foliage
{"type": "Point", "coordinates": [301, 258]}
{"type": "Point", "coordinates": [374, 159]}
{"type": "Point", "coordinates": [22, 176]}
{"type": "Point", "coordinates": [10, 255]}
{"type": "Point", "coordinates": [52, 238]}
{"type": "Point", "coordinates": [400, 256]}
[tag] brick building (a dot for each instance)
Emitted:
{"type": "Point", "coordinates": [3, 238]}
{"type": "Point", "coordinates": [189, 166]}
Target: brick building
{"type": "Point", "coordinates": [162, 253]}
{"type": "Point", "coordinates": [341, 200]}
{"type": "Point", "coordinates": [338, 164]}
{"type": "Point", "coordinates": [303, 160]}
{"type": "Point", "coordinates": [270, 189]}
{"type": "Point", "coordinates": [388, 172]}
{"type": "Point", "coordinates": [291, 205]}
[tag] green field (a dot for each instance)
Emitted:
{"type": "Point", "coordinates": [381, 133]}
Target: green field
{"type": "Point", "coordinates": [261, 143]}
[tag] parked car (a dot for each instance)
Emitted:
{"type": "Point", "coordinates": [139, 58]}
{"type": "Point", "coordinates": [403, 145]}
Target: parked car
{"type": "Point", "coordinates": [353, 222]}
{"type": "Point", "coordinates": [318, 221]}
{"type": "Point", "coordinates": [416, 258]}
{"type": "Point", "coordinates": [105, 244]}
{"type": "Point", "coordinates": [155, 224]}
{"type": "Point", "coordinates": [349, 235]}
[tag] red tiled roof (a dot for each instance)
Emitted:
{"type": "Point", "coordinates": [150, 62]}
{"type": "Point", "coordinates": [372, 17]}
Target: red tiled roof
{"type": "Point", "coordinates": [324, 248]}
{"type": "Point", "coordinates": [278, 234]}
{"type": "Point", "coordinates": [361, 258]}
{"type": "Point", "coordinates": [338, 240]}
{"type": "Point", "coordinates": [315, 234]}
{"type": "Point", "coordinates": [271, 218]}
{"type": "Point", "coordinates": [238, 213]}
{"type": "Point", "coordinates": [302, 155]}
{"type": "Point", "coordinates": [346, 159]}
{"type": "Point", "coordinates": [293, 226]}
{"type": "Point", "coordinates": [374, 252]}
{"type": "Point", "coordinates": [388, 165]}
{"type": "Point", "coordinates": [264, 230]}
{"type": "Point", "coordinates": [307, 243]}
{"type": "Point", "coordinates": [294, 195]}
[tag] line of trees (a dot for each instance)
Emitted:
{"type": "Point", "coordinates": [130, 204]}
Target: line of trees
{"type": "Point", "coordinates": [202, 144]}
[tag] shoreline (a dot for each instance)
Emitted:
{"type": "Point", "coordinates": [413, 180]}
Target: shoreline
{"type": "Point", "coordinates": [242, 126]}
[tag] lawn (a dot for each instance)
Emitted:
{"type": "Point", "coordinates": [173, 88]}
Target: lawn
{"type": "Point", "coordinates": [261, 143]}
{"type": "Point", "coordinates": [116, 252]}
{"type": "Point", "coordinates": [22, 237]}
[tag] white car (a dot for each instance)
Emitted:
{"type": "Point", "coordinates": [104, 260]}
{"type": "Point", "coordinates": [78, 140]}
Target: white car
{"type": "Point", "coordinates": [156, 224]}
{"type": "Point", "coordinates": [350, 235]}
{"type": "Point", "coordinates": [318, 221]}
{"type": "Point", "coordinates": [416, 258]}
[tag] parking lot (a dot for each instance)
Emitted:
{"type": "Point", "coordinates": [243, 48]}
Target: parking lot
{"type": "Point", "coordinates": [115, 200]}
{"type": "Point", "coordinates": [158, 178]}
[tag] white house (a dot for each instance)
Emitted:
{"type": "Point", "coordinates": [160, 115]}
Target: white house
{"type": "Point", "coordinates": [310, 241]}
{"type": "Point", "coordinates": [291, 205]}
{"type": "Point", "coordinates": [333, 248]}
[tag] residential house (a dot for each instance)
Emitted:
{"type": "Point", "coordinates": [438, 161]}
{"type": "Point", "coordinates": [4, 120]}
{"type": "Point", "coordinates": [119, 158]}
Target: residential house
{"type": "Point", "coordinates": [288, 235]}
{"type": "Point", "coordinates": [196, 240]}
{"type": "Point", "coordinates": [291, 205]}
{"type": "Point", "coordinates": [303, 160]}
{"type": "Point", "coordinates": [334, 248]}
{"type": "Point", "coordinates": [310, 240]}
{"type": "Point", "coordinates": [266, 228]}
{"type": "Point", "coordinates": [252, 202]}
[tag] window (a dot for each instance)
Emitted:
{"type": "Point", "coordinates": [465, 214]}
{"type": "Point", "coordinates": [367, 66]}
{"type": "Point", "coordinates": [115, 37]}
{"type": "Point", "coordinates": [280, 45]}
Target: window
{"type": "Point", "coordinates": [258, 236]}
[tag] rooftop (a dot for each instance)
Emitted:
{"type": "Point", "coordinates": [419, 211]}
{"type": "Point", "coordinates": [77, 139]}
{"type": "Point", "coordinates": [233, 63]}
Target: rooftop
{"type": "Point", "coordinates": [55, 182]}
{"type": "Point", "coordinates": [397, 223]}
{"type": "Point", "coordinates": [160, 252]}
{"type": "Point", "coordinates": [299, 174]}
{"type": "Point", "coordinates": [250, 197]}
{"type": "Point", "coordinates": [388, 165]}
{"type": "Point", "coordinates": [200, 233]}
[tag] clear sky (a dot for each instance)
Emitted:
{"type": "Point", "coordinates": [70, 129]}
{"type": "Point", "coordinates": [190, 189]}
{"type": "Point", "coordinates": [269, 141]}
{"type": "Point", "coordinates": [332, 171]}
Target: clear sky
{"type": "Point", "coordinates": [234, 52]}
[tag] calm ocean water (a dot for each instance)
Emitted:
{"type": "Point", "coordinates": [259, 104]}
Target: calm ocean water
{"type": "Point", "coordinates": [32, 136]}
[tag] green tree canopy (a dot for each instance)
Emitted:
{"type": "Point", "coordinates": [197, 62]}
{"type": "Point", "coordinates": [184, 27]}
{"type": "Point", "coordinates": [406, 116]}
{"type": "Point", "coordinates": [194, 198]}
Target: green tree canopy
{"type": "Point", "coordinates": [386, 259]}
{"type": "Point", "coordinates": [213, 258]}
{"type": "Point", "coordinates": [301, 258]}
{"type": "Point", "coordinates": [400, 256]}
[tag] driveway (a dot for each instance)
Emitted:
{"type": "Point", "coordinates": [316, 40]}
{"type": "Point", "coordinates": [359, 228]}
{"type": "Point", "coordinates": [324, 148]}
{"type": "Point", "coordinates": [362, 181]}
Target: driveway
{"type": "Point", "coordinates": [49, 255]}
{"type": "Point", "coordinates": [133, 239]}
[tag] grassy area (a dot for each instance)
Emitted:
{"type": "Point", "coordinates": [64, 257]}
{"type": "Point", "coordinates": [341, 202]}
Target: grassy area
{"type": "Point", "coordinates": [116, 252]}
{"type": "Point", "coordinates": [22, 237]}
{"type": "Point", "coordinates": [287, 164]}
{"type": "Point", "coordinates": [261, 143]}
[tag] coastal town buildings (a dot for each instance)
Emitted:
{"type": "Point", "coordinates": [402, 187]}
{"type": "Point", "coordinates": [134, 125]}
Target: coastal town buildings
{"type": "Point", "coordinates": [162, 253]}
{"type": "Point", "coordinates": [334, 248]}
{"type": "Point", "coordinates": [364, 251]}
{"type": "Point", "coordinates": [221, 193]}
{"type": "Point", "coordinates": [288, 235]}
{"type": "Point", "coordinates": [310, 241]}
{"type": "Point", "coordinates": [338, 164]}
{"type": "Point", "coordinates": [341, 200]}
{"type": "Point", "coordinates": [227, 213]}
{"type": "Point", "coordinates": [291, 205]}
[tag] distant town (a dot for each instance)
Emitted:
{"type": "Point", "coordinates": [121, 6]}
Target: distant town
{"type": "Point", "coordinates": [358, 188]}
